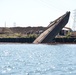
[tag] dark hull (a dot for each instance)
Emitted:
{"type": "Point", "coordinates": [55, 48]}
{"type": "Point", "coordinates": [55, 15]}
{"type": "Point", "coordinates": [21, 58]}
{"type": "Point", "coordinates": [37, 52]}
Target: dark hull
{"type": "Point", "coordinates": [53, 29]}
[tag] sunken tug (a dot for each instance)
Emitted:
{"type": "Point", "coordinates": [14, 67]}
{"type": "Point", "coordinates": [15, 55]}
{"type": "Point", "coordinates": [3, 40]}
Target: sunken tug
{"type": "Point", "coordinates": [53, 29]}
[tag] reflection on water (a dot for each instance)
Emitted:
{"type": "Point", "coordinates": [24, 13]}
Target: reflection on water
{"type": "Point", "coordinates": [37, 59]}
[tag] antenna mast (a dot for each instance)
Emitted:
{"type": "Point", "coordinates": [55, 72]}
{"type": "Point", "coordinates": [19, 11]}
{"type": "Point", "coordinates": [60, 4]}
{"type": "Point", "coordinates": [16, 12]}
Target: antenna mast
{"type": "Point", "coordinates": [74, 23]}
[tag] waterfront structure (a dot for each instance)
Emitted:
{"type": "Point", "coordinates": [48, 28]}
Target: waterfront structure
{"type": "Point", "coordinates": [53, 29]}
{"type": "Point", "coordinates": [64, 32]}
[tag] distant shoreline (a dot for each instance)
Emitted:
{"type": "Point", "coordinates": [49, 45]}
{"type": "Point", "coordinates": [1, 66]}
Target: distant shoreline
{"type": "Point", "coordinates": [30, 40]}
{"type": "Point", "coordinates": [29, 34]}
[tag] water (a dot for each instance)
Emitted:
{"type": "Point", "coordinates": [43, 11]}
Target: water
{"type": "Point", "coordinates": [37, 59]}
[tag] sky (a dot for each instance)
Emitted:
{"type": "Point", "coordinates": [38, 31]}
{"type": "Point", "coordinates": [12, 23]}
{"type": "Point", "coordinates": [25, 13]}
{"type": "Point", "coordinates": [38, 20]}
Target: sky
{"type": "Point", "coordinates": [23, 13]}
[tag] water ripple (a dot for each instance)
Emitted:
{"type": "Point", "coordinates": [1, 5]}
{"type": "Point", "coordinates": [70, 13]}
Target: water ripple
{"type": "Point", "coordinates": [30, 59]}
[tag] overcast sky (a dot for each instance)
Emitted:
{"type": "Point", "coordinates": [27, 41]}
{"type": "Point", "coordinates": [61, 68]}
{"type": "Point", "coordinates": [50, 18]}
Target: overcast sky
{"type": "Point", "coordinates": [33, 12]}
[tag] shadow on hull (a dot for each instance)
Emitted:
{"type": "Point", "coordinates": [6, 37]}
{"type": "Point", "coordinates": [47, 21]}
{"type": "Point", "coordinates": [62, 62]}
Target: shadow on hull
{"type": "Point", "coordinates": [53, 29]}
